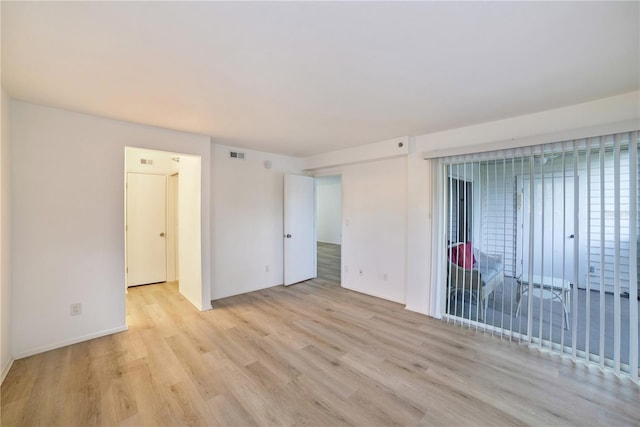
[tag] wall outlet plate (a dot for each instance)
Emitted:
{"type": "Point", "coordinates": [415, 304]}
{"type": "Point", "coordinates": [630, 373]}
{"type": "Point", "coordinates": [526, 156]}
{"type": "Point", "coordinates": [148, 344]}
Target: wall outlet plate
{"type": "Point", "coordinates": [76, 309]}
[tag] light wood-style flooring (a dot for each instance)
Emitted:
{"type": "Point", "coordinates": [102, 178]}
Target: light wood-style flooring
{"type": "Point", "coordinates": [308, 354]}
{"type": "Point", "coordinates": [329, 262]}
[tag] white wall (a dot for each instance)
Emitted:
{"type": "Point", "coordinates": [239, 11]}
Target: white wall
{"type": "Point", "coordinates": [329, 209]}
{"type": "Point", "coordinates": [247, 220]}
{"type": "Point", "coordinates": [374, 214]}
{"type": "Point", "coordinates": [190, 258]}
{"type": "Point", "coordinates": [162, 161]}
{"type": "Point", "coordinates": [5, 240]}
{"type": "Point", "coordinates": [68, 221]}
{"type": "Point", "coordinates": [419, 232]}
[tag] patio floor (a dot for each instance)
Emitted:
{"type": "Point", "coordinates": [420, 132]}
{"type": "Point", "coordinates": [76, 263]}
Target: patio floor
{"type": "Point", "coordinates": [502, 308]}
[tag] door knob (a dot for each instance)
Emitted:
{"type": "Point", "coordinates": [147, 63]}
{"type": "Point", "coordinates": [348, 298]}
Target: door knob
{"type": "Point", "coordinates": [288, 236]}
{"type": "Point", "coordinates": [572, 236]}
{"type": "Point", "coordinates": [161, 234]}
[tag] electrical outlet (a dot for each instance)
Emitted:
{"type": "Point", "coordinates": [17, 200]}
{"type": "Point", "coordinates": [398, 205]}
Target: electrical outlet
{"type": "Point", "coordinates": [76, 309]}
{"type": "Point", "coordinates": [266, 268]}
{"type": "Point", "coordinates": [346, 268]}
{"type": "Point", "coordinates": [385, 277]}
{"type": "Point", "coordinates": [361, 272]}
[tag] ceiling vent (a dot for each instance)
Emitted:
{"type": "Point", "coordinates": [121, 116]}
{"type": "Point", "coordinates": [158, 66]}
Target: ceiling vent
{"type": "Point", "coordinates": [146, 161]}
{"type": "Point", "coordinates": [236, 155]}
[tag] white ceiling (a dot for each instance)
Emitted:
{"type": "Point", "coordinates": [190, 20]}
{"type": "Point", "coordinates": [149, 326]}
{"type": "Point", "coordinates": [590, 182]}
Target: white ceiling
{"type": "Point", "coordinates": [304, 78]}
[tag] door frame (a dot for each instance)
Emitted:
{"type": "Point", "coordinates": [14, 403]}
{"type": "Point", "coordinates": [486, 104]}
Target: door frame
{"type": "Point", "coordinates": [173, 195]}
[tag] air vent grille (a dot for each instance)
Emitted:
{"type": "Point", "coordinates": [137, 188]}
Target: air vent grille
{"type": "Point", "coordinates": [236, 155]}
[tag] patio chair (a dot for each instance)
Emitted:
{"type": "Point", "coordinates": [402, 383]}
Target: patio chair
{"type": "Point", "coordinates": [479, 281]}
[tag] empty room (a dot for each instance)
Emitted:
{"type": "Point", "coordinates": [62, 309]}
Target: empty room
{"type": "Point", "coordinates": [320, 213]}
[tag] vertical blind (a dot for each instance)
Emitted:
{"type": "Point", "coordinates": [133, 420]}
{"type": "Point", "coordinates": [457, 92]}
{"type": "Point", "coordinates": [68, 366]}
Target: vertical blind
{"type": "Point", "coordinates": [540, 244]}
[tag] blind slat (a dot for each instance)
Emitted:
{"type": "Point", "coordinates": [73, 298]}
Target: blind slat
{"type": "Point", "coordinates": [633, 255]}
{"type": "Point", "coordinates": [587, 322]}
{"type": "Point", "coordinates": [602, 296]}
{"type": "Point", "coordinates": [616, 280]}
{"type": "Point", "coordinates": [576, 251]}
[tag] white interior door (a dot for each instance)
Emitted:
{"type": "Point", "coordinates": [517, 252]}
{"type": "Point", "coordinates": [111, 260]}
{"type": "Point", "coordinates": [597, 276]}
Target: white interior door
{"type": "Point", "coordinates": [146, 228]}
{"type": "Point", "coordinates": [553, 227]}
{"type": "Point", "coordinates": [299, 229]}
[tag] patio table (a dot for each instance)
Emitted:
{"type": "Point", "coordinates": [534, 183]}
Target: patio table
{"type": "Point", "coordinates": [546, 287]}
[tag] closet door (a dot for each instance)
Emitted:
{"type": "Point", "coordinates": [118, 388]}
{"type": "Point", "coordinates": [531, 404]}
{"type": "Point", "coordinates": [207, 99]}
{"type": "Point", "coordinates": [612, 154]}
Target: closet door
{"type": "Point", "coordinates": [146, 229]}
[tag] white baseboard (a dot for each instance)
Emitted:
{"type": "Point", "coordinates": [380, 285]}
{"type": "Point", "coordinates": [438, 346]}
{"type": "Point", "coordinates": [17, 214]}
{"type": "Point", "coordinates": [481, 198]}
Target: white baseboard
{"type": "Point", "coordinates": [417, 310]}
{"type": "Point", "coordinates": [200, 307]}
{"type": "Point", "coordinates": [373, 294]}
{"type": "Point", "coordinates": [244, 291]}
{"type": "Point", "coordinates": [70, 341]}
{"type": "Point", "coordinates": [5, 370]}
{"type": "Point", "coordinates": [332, 243]}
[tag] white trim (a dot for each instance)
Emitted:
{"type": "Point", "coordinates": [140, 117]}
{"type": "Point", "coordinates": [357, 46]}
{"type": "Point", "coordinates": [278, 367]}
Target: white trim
{"type": "Point", "coordinates": [203, 307]}
{"type": "Point", "coordinates": [70, 341]}
{"type": "Point", "coordinates": [375, 294]}
{"type": "Point", "coordinates": [5, 370]}
{"type": "Point", "coordinates": [438, 258]}
{"type": "Point", "coordinates": [589, 132]}
{"type": "Point", "coordinates": [416, 309]}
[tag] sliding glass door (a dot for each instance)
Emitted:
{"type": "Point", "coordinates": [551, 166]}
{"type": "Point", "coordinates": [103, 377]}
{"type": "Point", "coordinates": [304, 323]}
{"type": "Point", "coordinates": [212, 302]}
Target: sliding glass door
{"type": "Point", "coordinates": [541, 245]}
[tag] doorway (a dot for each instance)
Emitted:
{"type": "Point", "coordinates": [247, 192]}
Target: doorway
{"type": "Point", "coordinates": [329, 227]}
{"type": "Point", "coordinates": [177, 219]}
{"type": "Point", "coordinates": [461, 210]}
{"type": "Point", "coordinates": [151, 212]}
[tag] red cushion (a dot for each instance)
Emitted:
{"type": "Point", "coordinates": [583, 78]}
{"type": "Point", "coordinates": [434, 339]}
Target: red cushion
{"type": "Point", "coordinates": [462, 255]}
